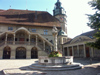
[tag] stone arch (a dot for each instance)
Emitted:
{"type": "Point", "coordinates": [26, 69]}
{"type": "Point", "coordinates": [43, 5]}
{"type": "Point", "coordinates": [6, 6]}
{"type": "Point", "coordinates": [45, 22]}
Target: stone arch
{"type": "Point", "coordinates": [34, 53]}
{"type": "Point", "coordinates": [22, 35]}
{"type": "Point", "coordinates": [22, 28]}
{"type": "Point", "coordinates": [20, 53]}
{"type": "Point", "coordinates": [6, 52]}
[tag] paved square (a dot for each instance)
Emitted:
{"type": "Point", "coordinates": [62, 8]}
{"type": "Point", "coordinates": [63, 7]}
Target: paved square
{"type": "Point", "coordinates": [12, 67]}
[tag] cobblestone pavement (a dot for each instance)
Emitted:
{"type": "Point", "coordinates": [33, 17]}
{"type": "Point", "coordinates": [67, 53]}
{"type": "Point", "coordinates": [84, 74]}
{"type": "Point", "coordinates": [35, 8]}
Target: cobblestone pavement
{"type": "Point", "coordinates": [13, 65]}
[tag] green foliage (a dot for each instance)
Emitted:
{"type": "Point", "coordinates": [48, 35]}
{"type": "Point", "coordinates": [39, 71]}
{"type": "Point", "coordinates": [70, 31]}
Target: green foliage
{"type": "Point", "coordinates": [55, 54]}
{"type": "Point", "coordinates": [94, 23]}
{"type": "Point", "coordinates": [95, 4]}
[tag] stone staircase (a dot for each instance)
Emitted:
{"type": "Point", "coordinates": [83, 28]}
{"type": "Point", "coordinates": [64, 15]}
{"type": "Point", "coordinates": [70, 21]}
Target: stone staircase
{"type": "Point", "coordinates": [73, 66]}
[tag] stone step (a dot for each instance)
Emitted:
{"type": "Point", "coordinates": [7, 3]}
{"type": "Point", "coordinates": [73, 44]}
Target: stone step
{"type": "Point", "coordinates": [57, 66]}
{"type": "Point", "coordinates": [55, 69]}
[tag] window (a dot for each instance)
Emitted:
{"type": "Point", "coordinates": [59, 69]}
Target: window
{"type": "Point", "coordinates": [10, 28]}
{"type": "Point", "coordinates": [45, 32]}
{"type": "Point", "coordinates": [33, 30]}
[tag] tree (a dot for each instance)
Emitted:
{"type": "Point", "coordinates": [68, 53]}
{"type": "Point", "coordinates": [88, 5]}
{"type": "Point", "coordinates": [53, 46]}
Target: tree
{"type": "Point", "coordinates": [94, 23]}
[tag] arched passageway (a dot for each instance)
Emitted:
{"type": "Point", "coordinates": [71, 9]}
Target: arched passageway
{"type": "Point", "coordinates": [34, 53]}
{"type": "Point", "coordinates": [20, 53]}
{"type": "Point", "coordinates": [6, 53]}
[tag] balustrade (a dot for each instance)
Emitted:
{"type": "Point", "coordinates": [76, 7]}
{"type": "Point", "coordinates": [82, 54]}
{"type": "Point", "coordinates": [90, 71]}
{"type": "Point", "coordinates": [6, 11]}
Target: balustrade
{"type": "Point", "coordinates": [16, 42]}
{"type": "Point", "coordinates": [32, 43]}
{"type": "Point", "coordinates": [10, 42]}
{"type": "Point", "coordinates": [40, 45]}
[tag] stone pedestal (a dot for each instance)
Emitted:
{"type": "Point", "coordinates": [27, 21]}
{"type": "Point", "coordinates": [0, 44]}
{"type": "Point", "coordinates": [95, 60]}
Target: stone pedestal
{"type": "Point", "coordinates": [44, 60]}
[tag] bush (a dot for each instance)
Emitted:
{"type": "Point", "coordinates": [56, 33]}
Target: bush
{"type": "Point", "coordinates": [55, 54]}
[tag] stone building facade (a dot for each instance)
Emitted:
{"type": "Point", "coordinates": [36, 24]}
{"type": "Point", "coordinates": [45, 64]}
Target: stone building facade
{"type": "Point", "coordinates": [77, 46]}
{"type": "Point", "coordinates": [26, 34]}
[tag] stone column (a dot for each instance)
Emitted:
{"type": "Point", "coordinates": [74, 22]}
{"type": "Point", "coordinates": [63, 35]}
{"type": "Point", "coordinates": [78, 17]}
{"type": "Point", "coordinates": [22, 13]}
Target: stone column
{"type": "Point", "coordinates": [55, 33]}
{"type": "Point", "coordinates": [28, 54]}
{"type": "Point", "coordinates": [29, 39]}
{"type": "Point", "coordinates": [55, 42]}
{"type": "Point", "coordinates": [6, 38]}
{"type": "Point", "coordinates": [36, 40]}
{"type": "Point", "coordinates": [92, 52]}
{"type": "Point", "coordinates": [51, 48]}
{"type": "Point", "coordinates": [78, 50]}
{"type": "Point", "coordinates": [67, 51]}
{"type": "Point", "coordinates": [14, 40]}
{"type": "Point", "coordinates": [72, 51]}
{"type": "Point", "coordinates": [13, 54]}
{"type": "Point", "coordinates": [84, 50]}
{"type": "Point", "coordinates": [43, 45]}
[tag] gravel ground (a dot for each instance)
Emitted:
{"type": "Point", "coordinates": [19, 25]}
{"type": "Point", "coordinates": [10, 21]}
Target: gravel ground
{"type": "Point", "coordinates": [12, 67]}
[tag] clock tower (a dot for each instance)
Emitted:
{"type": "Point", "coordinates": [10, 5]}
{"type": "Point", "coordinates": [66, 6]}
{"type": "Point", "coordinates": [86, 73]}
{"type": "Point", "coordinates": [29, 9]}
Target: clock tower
{"type": "Point", "coordinates": [60, 13]}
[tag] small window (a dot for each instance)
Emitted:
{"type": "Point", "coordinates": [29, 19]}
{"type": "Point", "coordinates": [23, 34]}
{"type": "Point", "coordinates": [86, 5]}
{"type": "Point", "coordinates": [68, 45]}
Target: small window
{"type": "Point", "coordinates": [10, 28]}
{"type": "Point", "coordinates": [45, 32]}
{"type": "Point", "coordinates": [33, 30]}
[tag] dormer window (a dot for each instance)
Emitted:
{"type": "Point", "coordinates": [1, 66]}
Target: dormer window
{"type": "Point", "coordinates": [33, 30]}
{"type": "Point", "coordinates": [10, 28]}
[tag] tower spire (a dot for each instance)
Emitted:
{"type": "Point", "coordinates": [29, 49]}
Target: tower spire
{"type": "Point", "coordinates": [57, 0]}
{"type": "Point", "coordinates": [58, 9]}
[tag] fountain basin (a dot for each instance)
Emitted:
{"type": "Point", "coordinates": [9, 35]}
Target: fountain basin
{"type": "Point", "coordinates": [45, 60]}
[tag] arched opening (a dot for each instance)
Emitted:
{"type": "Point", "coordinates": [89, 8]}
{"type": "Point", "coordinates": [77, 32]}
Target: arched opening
{"type": "Point", "coordinates": [6, 53]}
{"type": "Point", "coordinates": [20, 53]}
{"type": "Point", "coordinates": [10, 38]}
{"type": "Point", "coordinates": [34, 53]}
{"type": "Point", "coordinates": [22, 36]}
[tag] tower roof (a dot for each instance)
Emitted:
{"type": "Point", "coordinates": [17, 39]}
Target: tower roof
{"type": "Point", "coordinates": [58, 4]}
{"type": "Point", "coordinates": [58, 9]}
{"type": "Point", "coordinates": [62, 33]}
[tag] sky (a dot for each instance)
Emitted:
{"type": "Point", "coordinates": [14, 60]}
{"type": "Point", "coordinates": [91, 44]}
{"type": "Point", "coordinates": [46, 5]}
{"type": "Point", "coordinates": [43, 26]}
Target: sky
{"type": "Point", "coordinates": [76, 11]}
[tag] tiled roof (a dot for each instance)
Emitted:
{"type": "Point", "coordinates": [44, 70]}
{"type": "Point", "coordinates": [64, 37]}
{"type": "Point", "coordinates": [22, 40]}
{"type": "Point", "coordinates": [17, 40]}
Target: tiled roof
{"type": "Point", "coordinates": [89, 34]}
{"type": "Point", "coordinates": [26, 17]}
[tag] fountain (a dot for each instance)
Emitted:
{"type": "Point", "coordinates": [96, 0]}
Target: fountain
{"type": "Point", "coordinates": [55, 61]}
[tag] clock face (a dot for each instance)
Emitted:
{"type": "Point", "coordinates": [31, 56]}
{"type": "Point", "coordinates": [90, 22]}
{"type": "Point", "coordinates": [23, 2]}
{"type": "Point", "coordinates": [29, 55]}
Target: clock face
{"type": "Point", "coordinates": [61, 18]}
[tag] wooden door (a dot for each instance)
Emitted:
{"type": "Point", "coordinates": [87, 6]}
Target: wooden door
{"type": "Point", "coordinates": [87, 52]}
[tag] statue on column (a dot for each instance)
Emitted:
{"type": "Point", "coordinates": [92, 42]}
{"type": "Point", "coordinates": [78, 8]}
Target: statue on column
{"type": "Point", "coordinates": [55, 53]}
{"type": "Point", "coordinates": [55, 33]}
